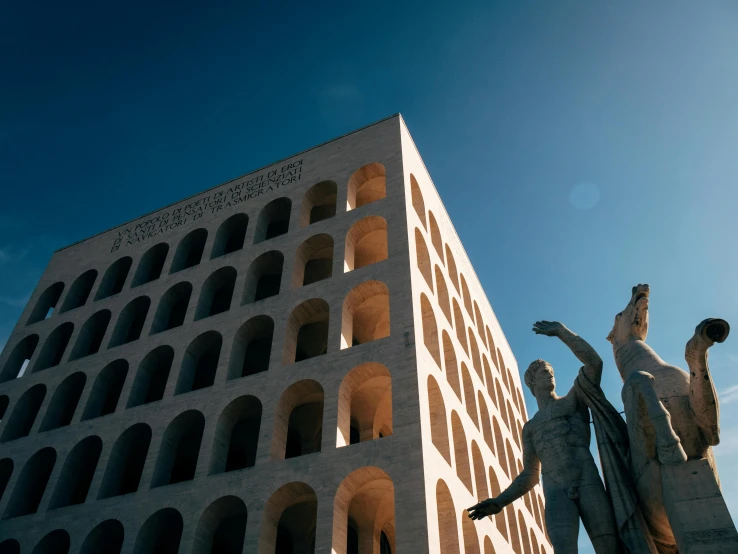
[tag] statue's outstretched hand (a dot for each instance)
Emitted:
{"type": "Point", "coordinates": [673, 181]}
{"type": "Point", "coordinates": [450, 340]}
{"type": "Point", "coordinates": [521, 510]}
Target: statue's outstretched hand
{"type": "Point", "coordinates": [548, 328]}
{"type": "Point", "coordinates": [488, 507]}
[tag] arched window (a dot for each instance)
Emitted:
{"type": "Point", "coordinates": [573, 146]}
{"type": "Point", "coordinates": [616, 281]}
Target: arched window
{"type": "Point", "coordinates": [252, 347]}
{"type": "Point", "coordinates": [80, 291]}
{"type": "Point", "coordinates": [126, 462]}
{"type": "Point", "coordinates": [56, 542]}
{"type": "Point", "coordinates": [274, 220]}
{"type": "Point", "coordinates": [489, 380]}
{"type": "Point", "coordinates": [470, 398]}
{"type": "Point", "coordinates": [495, 488]}
{"type": "Point", "coordinates": [313, 261]}
{"type": "Point", "coordinates": [6, 471]}
{"type": "Point", "coordinates": [438, 421]}
{"type": "Point", "coordinates": [488, 547]}
{"type": "Point", "coordinates": [480, 323]}
{"type": "Point", "coordinates": [367, 184]}
{"type": "Point", "coordinates": [64, 402]}
{"type": "Point", "coordinates": [459, 326]}
{"type": "Point", "coordinates": [366, 243]}
{"type": "Point", "coordinates": [151, 377]}
{"type": "Point", "coordinates": [524, 534]}
{"type": "Point", "coordinates": [418, 203]}
{"type": "Point", "coordinates": [501, 401]}
{"type": "Point", "coordinates": [476, 360]}
{"type": "Point", "coordinates": [423, 258]}
{"type": "Point", "coordinates": [236, 436]}
{"type": "Point", "coordinates": [442, 294]}
{"type": "Point", "coordinates": [480, 476]}
{"type": "Point", "coordinates": [486, 422]}
{"type": "Point", "coordinates": [53, 350]}
{"type": "Point", "coordinates": [230, 235]}
{"type": "Point", "coordinates": [319, 203]}
{"type": "Point", "coordinates": [189, 251]}
{"type": "Point", "coordinates": [290, 518]}
{"type": "Point", "coordinates": [451, 267]}
{"type": "Point", "coordinates": [216, 293]}
{"type": "Point", "coordinates": [77, 473]}
{"type": "Point", "coordinates": [307, 331]}
{"type": "Point", "coordinates": [151, 264]}
{"type": "Point", "coordinates": [490, 342]}
{"type": "Point", "coordinates": [447, 526]}
{"type": "Point", "coordinates": [263, 277]}
{"type": "Point", "coordinates": [114, 278]}
{"type": "Point", "coordinates": [91, 335]}
{"type": "Point", "coordinates": [365, 404]}
{"type": "Point", "coordinates": [160, 534]}
{"type": "Point", "coordinates": [452, 366]}
{"type": "Point", "coordinates": [221, 528]}
{"type": "Point", "coordinates": [430, 329]}
{"type": "Point", "coordinates": [105, 538]}
{"type": "Point", "coordinates": [500, 444]}
{"type": "Point", "coordinates": [46, 303]}
{"type": "Point", "coordinates": [298, 427]}
{"type": "Point", "coordinates": [24, 413]}
{"type": "Point", "coordinates": [19, 358]}
{"type": "Point", "coordinates": [467, 297]}
{"type": "Point", "coordinates": [31, 484]}
{"type": "Point", "coordinates": [172, 308]}
{"type": "Point", "coordinates": [461, 452]}
{"type": "Point", "coordinates": [511, 460]}
{"type": "Point", "coordinates": [130, 322]}
{"type": "Point", "coordinates": [436, 235]}
{"type": "Point", "coordinates": [200, 363]}
{"type": "Point", "coordinates": [103, 399]}
{"type": "Point", "coordinates": [180, 448]}
{"type": "Point", "coordinates": [514, 536]}
{"type": "Point", "coordinates": [366, 314]}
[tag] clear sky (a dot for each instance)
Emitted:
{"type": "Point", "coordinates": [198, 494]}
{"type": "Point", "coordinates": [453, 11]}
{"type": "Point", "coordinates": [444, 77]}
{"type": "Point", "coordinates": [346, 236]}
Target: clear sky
{"type": "Point", "coordinates": [580, 147]}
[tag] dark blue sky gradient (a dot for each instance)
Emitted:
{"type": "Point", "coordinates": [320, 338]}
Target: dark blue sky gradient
{"type": "Point", "coordinates": [110, 110]}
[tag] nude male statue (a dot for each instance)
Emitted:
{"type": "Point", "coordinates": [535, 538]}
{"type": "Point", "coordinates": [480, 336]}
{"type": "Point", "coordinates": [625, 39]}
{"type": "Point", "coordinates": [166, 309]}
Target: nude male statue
{"type": "Point", "coordinates": [556, 444]}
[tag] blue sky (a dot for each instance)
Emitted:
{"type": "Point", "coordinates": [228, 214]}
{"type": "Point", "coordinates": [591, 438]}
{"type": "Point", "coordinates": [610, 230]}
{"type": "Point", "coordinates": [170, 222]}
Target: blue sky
{"type": "Point", "coordinates": [108, 111]}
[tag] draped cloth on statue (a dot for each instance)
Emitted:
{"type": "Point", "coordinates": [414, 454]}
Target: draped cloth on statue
{"type": "Point", "coordinates": [612, 442]}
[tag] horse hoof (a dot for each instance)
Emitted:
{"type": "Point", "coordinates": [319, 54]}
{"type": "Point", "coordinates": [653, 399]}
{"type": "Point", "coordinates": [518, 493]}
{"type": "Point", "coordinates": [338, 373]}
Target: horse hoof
{"type": "Point", "coordinates": [671, 455]}
{"type": "Point", "coordinates": [715, 330]}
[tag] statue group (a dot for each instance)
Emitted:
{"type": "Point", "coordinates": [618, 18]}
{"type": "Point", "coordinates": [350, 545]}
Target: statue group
{"type": "Point", "coordinates": [661, 492]}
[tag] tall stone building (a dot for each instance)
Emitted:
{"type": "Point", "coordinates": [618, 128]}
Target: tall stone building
{"type": "Point", "coordinates": [299, 360]}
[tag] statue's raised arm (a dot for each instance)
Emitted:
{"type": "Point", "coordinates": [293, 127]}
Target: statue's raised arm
{"type": "Point", "coordinates": [578, 346]}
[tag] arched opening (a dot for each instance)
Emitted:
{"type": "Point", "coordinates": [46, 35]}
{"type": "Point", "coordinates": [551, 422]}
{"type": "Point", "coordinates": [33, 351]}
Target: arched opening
{"type": "Point", "coordinates": [126, 462]}
{"type": "Point", "coordinates": [417, 197]}
{"type": "Point", "coordinates": [511, 459]}
{"type": "Point", "coordinates": [524, 534]}
{"type": "Point", "coordinates": [489, 438]}
{"type": "Point", "coordinates": [151, 377]}
{"type": "Point", "coordinates": [31, 484]}
{"type": "Point", "coordinates": [500, 522]}
{"type": "Point", "coordinates": [436, 235]}
{"type": "Point", "coordinates": [307, 331]}
{"type": "Point", "coordinates": [105, 393]}
{"type": "Point", "coordinates": [130, 322]}
{"type": "Point", "coordinates": [189, 251]}
{"type": "Point", "coordinates": [366, 314]}
{"type": "Point", "coordinates": [236, 436]}
{"type": "Point", "coordinates": [10, 546]}
{"type": "Point", "coordinates": [24, 413]}
{"type": "Point", "coordinates": [366, 243]}
{"type": "Point", "coordinates": [451, 267]}
{"type": "Point", "coordinates": [514, 536]}
{"type": "Point", "coordinates": [367, 184]}
{"type": "Point", "coordinates": [448, 535]}
{"type": "Point", "coordinates": [490, 342]}
{"type": "Point", "coordinates": [500, 444]}
{"type": "Point", "coordinates": [319, 203]}
{"type": "Point", "coordinates": [252, 347]}
{"type": "Point", "coordinates": [313, 261]}
{"type": "Point", "coordinates": [289, 521]}
{"type": "Point", "coordinates": [298, 427]}
{"type": "Point", "coordinates": [480, 323]}
{"type": "Point", "coordinates": [430, 329]}
{"type": "Point", "coordinates": [105, 538]}
{"type": "Point", "coordinates": [452, 367]}
{"type": "Point", "coordinates": [489, 380]}
{"type": "Point", "coordinates": [19, 358]}
{"type": "Point", "coordinates": [180, 448]}
{"type": "Point", "coordinates": [438, 421]}
{"type": "Point", "coordinates": [476, 360]}
{"type": "Point", "coordinates": [365, 404]}
{"type": "Point", "coordinates": [460, 327]}
{"type": "Point", "coordinates": [423, 258]}
{"type": "Point", "coordinates": [488, 547]}
{"type": "Point", "coordinates": [160, 534]}
{"type": "Point", "coordinates": [512, 423]}
{"type": "Point", "coordinates": [77, 473]}
{"type": "Point", "coordinates": [172, 308]}
{"type": "Point", "coordinates": [216, 293]}
{"type": "Point", "coordinates": [364, 513]}
{"type": "Point", "coordinates": [230, 235]}
{"type": "Point", "coordinates": [221, 528]}
{"type": "Point", "coordinates": [274, 220]}
{"type": "Point", "coordinates": [501, 401]}
{"type": "Point", "coordinates": [80, 291]}
{"type": "Point", "coordinates": [200, 363]}
{"type": "Point", "coordinates": [442, 294]}
{"type": "Point", "coordinates": [461, 452]}
{"type": "Point", "coordinates": [53, 350]}
{"type": "Point", "coordinates": [6, 471]}
{"type": "Point", "coordinates": [91, 335]}
{"type": "Point", "coordinates": [467, 297]}
{"type": "Point", "coordinates": [64, 402]}
{"type": "Point", "coordinates": [56, 542]}
{"type": "Point", "coordinates": [114, 278]}
{"type": "Point", "coordinates": [480, 475]}
{"type": "Point", "coordinates": [263, 277]}
{"type": "Point", "coordinates": [470, 397]}
{"type": "Point", "coordinates": [471, 539]}
{"type": "Point", "coordinates": [151, 264]}
{"type": "Point", "coordinates": [46, 303]}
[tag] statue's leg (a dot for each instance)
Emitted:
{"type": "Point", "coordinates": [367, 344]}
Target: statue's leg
{"type": "Point", "coordinates": [668, 446]}
{"type": "Point", "coordinates": [597, 516]}
{"type": "Point", "coordinates": [562, 521]}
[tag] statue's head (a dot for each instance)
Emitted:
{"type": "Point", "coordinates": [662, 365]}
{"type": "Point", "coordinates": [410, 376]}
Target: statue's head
{"type": "Point", "coordinates": [540, 377]}
{"type": "Point", "coordinates": [632, 322]}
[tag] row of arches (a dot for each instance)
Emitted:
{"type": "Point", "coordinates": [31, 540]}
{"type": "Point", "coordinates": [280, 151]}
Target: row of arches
{"type": "Point", "coordinates": [365, 317]}
{"type": "Point", "coordinates": [319, 203]}
{"type": "Point", "coordinates": [363, 523]}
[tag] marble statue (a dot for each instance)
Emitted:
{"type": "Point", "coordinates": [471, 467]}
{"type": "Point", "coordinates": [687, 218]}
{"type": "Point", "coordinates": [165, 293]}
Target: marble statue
{"type": "Point", "coordinates": [556, 445]}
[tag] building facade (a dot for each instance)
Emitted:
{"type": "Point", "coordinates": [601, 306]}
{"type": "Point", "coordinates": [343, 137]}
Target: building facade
{"type": "Point", "coordinates": [299, 360]}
